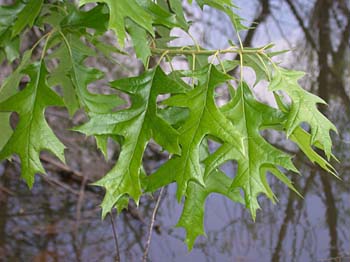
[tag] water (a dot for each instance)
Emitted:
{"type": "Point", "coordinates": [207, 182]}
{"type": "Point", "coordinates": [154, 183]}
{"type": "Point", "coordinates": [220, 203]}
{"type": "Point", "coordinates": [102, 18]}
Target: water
{"type": "Point", "coordinates": [50, 223]}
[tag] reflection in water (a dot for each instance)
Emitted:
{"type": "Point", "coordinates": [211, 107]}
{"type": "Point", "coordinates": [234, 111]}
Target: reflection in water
{"type": "Point", "coordinates": [41, 225]}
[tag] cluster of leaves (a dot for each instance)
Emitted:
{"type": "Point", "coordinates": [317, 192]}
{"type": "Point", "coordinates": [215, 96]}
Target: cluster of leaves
{"type": "Point", "coordinates": [182, 124]}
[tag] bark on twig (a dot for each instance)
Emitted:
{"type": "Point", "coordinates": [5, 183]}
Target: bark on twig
{"type": "Point", "coordinates": [149, 238]}
{"type": "Point", "coordinates": [115, 235]}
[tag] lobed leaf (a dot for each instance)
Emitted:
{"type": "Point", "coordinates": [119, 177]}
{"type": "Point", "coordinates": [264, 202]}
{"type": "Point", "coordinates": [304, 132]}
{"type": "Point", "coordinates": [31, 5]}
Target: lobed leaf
{"type": "Point", "coordinates": [121, 9]}
{"type": "Point", "coordinates": [250, 116]}
{"type": "Point", "coordinates": [137, 125]}
{"type": "Point", "coordinates": [27, 16]}
{"type": "Point", "coordinates": [192, 216]}
{"type": "Point", "coordinates": [303, 108]}
{"type": "Point", "coordinates": [74, 78]}
{"type": "Point", "coordinates": [204, 119]}
{"type": "Point", "coordinates": [9, 88]}
{"type": "Point", "coordinates": [32, 133]}
{"type": "Point", "coordinates": [225, 6]}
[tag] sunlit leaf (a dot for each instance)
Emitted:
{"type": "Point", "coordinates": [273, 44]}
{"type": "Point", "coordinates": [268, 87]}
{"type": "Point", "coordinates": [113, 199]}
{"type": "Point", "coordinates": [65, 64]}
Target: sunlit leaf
{"type": "Point", "coordinates": [137, 125]}
{"type": "Point", "coordinates": [303, 108]}
{"type": "Point", "coordinates": [250, 116]}
{"type": "Point", "coordinates": [192, 217]}
{"type": "Point", "coordinates": [204, 119]}
{"type": "Point", "coordinates": [225, 6]}
{"type": "Point", "coordinates": [32, 134]}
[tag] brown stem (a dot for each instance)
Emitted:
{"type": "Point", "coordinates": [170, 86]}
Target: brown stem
{"type": "Point", "coordinates": [148, 242]}
{"type": "Point", "coordinates": [115, 235]}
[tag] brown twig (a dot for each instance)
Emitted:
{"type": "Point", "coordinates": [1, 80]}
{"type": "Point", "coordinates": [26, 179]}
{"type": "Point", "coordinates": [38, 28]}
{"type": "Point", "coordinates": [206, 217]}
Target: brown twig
{"type": "Point", "coordinates": [115, 235]}
{"type": "Point", "coordinates": [79, 204]}
{"type": "Point", "coordinates": [148, 243]}
{"type": "Point", "coordinates": [53, 181]}
{"type": "Point", "coordinates": [79, 176]}
{"type": "Point", "coordinates": [7, 191]}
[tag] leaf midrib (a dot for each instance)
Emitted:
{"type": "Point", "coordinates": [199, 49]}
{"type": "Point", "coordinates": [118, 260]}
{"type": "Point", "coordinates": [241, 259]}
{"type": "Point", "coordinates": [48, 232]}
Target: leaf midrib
{"type": "Point", "coordinates": [32, 113]}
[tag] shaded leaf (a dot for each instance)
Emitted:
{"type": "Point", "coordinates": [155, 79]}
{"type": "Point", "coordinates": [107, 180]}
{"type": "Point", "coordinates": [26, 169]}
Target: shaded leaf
{"type": "Point", "coordinates": [74, 78]}
{"type": "Point", "coordinates": [8, 89]}
{"type": "Point", "coordinates": [8, 15]}
{"type": "Point", "coordinates": [260, 65]}
{"type": "Point", "coordinates": [121, 9]}
{"type": "Point", "coordinates": [27, 16]}
{"type": "Point", "coordinates": [96, 18]}
{"type": "Point", "coordinates": [140, 41]}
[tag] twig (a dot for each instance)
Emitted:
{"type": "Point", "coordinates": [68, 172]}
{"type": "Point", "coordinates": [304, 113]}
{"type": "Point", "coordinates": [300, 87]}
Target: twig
{"type": "Point", "coordinates": [53, 181]}
{"type": "Point", "coordinates": [61, 166]}
{"type": "Point", "coordinates": [79, 204]}
{"type": "Point", "coordinates": [148, 243]}
{"type": "Point", "coordinates": [161, 51]}
{"type": "Point", "coordinates": [7, 191]}
{"type": "Point", "coordinates": [115, 235]}
{"type": "Point", "coordinates": [300, 20]}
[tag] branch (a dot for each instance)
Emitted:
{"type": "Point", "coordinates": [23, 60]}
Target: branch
{"type": "Point", "coordinates": [148, 243]}
{"type": "Point", "coordinates": [162, 51]}
{"type": "Point", "coordinates": [264, 13]}
{"type": "Point", "coordinates": [308, 36]}
{"type": "Point", "coordinates": [115, 235]}
{"type": "Point", "coordinates": [7, 191]}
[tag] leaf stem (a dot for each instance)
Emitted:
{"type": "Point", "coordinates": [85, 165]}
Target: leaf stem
{"type": "Point", "coordinates": [40, 39]}
{"type": "Point", "coordinates": [45, 45]}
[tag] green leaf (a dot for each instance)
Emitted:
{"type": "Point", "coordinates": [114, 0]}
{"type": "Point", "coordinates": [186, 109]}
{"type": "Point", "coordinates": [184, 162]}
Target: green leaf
{"type": "Point", "coordinates": [161, 16]}
{"type": "Point", "coordinates": [52, 15]}
{"type": "Point", "coordinates": [6, 130]}
{"type": "Point", "coordinates": [175, 6]}
{"type": "Point", "coordinates": [11, 48]}
{"type": "Point", "coordinates": [102, 142]}
{"type": "Point", "coordinates": [176, 116]}
{"type": "Point", "coordinates": [225, 6]}
{"type": "Point", "coordinates": [27, 16]}
{"type": "Point", "coordinates": [137, 125]}
{"type": "Point", "coordinates": [192, 217]}
{"type": "Point", "coordinates": [197, 62]}
{"type": "Point", "coordinates": [74, 78]}
{"type": "Point", "coordinates": [250, 116]}
{"type": "Point", "coordinates": [303, 140]}
{"type": "Point", "coordinates": [96, 18]}
{"type": "Point", "coordinates": [140, 41]}
{"type": "Point", "coordinates": [303, 108]}
{"type": "Point", "coordinates": [260, 65]}
{"type": "Point", "coordinates": [8, 15]}
{"type": "Point", "coordinates": [8, 89]}
{"type": "Point", "coordinates": [121, 9]}
{"type": "Point", "coordinates": [204, 119]}
{"type": "Point", "coordinates": [32, 134]}
{"type": "Point", "coordinates": [101, 45]}
{"type": "Point", "coordinates": [60, 77]}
